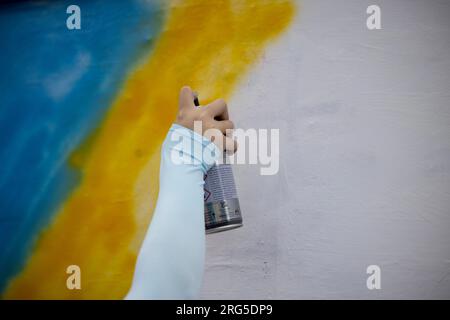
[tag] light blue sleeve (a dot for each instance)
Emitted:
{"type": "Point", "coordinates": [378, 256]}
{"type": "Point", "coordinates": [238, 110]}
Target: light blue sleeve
{"type": "Point", "coordinates": [171, 260]}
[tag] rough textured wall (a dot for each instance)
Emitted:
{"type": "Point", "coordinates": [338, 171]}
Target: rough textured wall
{"type": "Point", "coordinates": [364, 127]}
{"type": "Point", "coordinates": [365, 159]}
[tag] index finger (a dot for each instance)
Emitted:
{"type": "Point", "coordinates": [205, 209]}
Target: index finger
{"type": "Point", "coordinates": [218, 109]}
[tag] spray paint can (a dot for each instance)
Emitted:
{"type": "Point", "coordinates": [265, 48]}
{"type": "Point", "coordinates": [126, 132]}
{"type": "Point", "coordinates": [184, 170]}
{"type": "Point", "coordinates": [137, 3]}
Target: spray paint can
{"type": "Point", "coordinates": [222, 210]}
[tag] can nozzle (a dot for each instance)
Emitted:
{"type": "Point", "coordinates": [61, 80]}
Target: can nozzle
{"type": "Point", "coordinates": [196, 102]}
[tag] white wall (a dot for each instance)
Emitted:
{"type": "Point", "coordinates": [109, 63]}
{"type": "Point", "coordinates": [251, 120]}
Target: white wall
{"type": "Point", "coordinates": [364, 119]}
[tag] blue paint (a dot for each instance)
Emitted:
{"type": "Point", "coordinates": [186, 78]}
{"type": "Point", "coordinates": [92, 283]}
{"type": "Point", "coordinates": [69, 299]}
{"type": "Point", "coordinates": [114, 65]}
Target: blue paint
{"type": "Point", "coordinates": [57, 85]}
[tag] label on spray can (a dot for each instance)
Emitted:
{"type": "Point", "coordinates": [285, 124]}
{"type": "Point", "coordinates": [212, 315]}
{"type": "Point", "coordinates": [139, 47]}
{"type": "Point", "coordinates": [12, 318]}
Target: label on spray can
{"type": "Point", "coordinates": [222, 211]}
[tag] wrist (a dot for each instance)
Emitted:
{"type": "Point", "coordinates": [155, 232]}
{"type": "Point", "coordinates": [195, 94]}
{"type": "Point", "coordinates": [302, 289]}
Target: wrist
{"type": "Point", "coordinates": [186, 146]}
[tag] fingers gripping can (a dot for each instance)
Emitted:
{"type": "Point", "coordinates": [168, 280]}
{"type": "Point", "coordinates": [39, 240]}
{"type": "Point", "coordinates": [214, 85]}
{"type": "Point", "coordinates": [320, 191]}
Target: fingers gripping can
{"type": "Point", "coordinates": [222, 211]}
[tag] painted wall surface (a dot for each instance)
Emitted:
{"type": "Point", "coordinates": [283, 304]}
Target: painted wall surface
{"type": "Point", "coordinates": [83, 114]}
{"type": "Point", "coordinates": [364, 143]}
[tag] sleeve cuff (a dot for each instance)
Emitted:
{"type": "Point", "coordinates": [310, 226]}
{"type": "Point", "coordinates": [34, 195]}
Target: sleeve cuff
{"type": "Point", "coordinates": [193, 148]}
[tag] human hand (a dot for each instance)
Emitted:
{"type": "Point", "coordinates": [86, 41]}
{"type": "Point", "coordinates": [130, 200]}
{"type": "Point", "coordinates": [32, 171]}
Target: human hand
{"type": "Point", "coordinates": [212, 116]}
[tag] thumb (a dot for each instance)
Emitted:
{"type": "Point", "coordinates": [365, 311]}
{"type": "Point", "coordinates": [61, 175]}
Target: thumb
{"type": "Point", "coordinates": [186, 97]}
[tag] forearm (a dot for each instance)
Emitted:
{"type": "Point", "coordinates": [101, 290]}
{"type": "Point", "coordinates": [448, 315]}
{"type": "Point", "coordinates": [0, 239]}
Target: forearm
{"type": "Point", "coordinates": [171, 259]}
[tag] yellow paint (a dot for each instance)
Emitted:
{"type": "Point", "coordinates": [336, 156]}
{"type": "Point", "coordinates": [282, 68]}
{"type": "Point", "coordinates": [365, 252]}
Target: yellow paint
{"type": "Point", "coordinates": [205, 44]}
